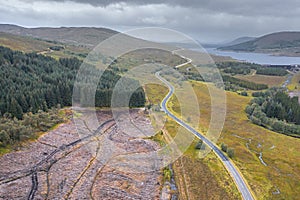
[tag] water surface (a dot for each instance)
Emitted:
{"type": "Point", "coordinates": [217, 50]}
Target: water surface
{"type": "Point", "coordinates": [259, 58]}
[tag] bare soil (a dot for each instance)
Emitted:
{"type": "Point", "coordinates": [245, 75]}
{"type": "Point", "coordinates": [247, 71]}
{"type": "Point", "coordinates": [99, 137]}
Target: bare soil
{"type": "Point", "coordinates": [63, 164]}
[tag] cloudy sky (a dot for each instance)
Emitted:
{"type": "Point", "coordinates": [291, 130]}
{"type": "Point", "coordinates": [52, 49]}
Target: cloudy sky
{"type": "Point", "coordinates": [204, 20]}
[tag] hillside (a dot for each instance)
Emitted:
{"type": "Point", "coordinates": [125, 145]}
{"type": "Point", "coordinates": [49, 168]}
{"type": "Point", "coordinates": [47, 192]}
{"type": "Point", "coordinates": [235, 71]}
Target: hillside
{"type": "Point", "coordinates": [33, 45]}
{"type": "Point", "coordinates": [240, 40]}
{"type": "Point", "coordinates": [280, 43]}
{"type": "Point", "coordinates": [25, 44]}
{"type": "Point", "coordinates": [228, 43]}
{"type": "Point", "coordinates": [81, 36]}
{"type": "Point", "coordinates": [76, 41]}
{"type": "Point", "coordinates": [32, 82]}
{"type": "Point", "coordinates": [68, 41]}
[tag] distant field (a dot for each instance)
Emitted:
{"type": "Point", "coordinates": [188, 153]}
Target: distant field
{"type": "Point", "coordinates": [146, 56]}
{"type": "Point", "coordinates": [25, 44]}
{"type": "Point", "coordinates": [263, 79]}
{"type": "Point", "coordinates": [29, 44]}
{"type": "Point", "coordinates": [219, 59]}
{"type": "Point", "coordinates": [280, 152]}
{"type": "Point", "coordinates": [295, 85]}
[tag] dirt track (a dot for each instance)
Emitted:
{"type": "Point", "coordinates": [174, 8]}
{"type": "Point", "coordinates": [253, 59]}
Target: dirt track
{"type": "Point", "coordinates": [63, 165]}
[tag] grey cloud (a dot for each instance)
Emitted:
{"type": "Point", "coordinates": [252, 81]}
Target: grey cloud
{"type": "Point", "coordinates": [240, 7]}
{"type": "Point", "coordinates": [231, 5]}
{"type": "Point", "coordinates": [206, 20]}
{"type": "Point", "coordinates": [272, 8]}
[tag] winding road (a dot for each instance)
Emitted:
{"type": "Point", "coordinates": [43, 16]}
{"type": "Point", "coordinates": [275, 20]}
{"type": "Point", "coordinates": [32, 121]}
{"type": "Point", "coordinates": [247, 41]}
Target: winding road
{"type": "Point", "coordinates": [239, 181]}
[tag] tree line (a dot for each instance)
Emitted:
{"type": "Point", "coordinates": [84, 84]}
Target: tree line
{"type": "Point", "coordinates": [244, 68]}
{"type": "Point", "coordinates": [271, 71]}
{"type": "Point", "coordinates": [232, 82]}
{"type": "Point", "coordinates": [234, 68]}
{"type": "Point", "coordinates": [13, 131]}
{"type": "Point", "coordinates": [275, 110]}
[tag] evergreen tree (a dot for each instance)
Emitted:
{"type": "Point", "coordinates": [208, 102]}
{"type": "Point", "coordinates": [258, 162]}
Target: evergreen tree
{"type": "Point", "coordinates": [15, 109]}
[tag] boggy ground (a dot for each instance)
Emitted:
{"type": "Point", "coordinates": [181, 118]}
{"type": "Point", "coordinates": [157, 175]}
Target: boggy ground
{"type": "Point", "coordinates": [63, 164]}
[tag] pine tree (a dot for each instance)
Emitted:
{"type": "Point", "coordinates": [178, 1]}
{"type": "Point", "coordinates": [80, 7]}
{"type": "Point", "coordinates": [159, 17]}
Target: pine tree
{"type": "Point", "coordinates": [23, 103]}
{"type": "Point", "coordinates": [15, 109]}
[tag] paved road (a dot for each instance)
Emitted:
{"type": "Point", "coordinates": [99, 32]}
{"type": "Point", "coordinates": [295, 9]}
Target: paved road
{"type": "Point", "coordinates": [188, 60]}
{"type": "Point", "coordinates": [241, 185]}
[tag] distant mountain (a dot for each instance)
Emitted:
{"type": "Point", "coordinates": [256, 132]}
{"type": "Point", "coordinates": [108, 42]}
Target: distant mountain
{"type": "Point", "coordinates": [82, 36]}
{"type": "Point", "coordinates": [75, 41]}
{"type": "Point", "coordinates": [240, 40]}
{"type": "Point", "coordinates": [280, 43]}
{"type": "Point", "coordinates": [230, 43]}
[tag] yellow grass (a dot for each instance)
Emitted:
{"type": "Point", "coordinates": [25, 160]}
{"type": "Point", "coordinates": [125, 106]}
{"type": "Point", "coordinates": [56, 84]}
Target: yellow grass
{"type": "Point", "coordinates": [263, 79]}
{"type": "Point", "coordinates": [295, 85]}
{"type": "Point", "coordinates": [24, 44]}
{"type": "Point", "coordinates": [28, 44]}
{"type": "Point", "coordinates": [203, 178]}
{"type": "Point", "coordinates": [280, 152]}
{"type": "Point", "coordinates": [5, 150]}
{"type": "Point", "coordinates": [155, 93]}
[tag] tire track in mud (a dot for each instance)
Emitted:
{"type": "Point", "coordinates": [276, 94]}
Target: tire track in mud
{"type": "Point", "coordinates": [90, 163]}
{"type": "Point", "coordinates": [34, 187]}
{"type": "Point", "coordinates": [52, 163]}
{"type": "Point", "coordinates": [45, 174]}
{"type": "Point", "coordinates": [109, 190]}
{"type": "Point", "coordinates": [33, 171]}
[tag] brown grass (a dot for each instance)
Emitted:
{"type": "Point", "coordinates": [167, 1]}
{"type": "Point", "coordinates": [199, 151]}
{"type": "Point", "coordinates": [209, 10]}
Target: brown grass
{"type": "Point", "coordinates": [263, 79]}
{"type": "Point", "coordinates": [195, 178]}
{"type": "Point", "coordinates": [280, 152]}
{"type": "Point", "coordinates": [28, 44]}
{"type": "Point", "coordinates": [295, 85]}
{"type": "Point", "coordinates": [24, 44]}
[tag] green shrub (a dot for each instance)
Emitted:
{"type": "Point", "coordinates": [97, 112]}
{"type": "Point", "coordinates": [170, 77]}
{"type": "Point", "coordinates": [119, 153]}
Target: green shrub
{"type": "Point", "coordinates": [230, 152]}
{"type": "Point", "coordinates": [224, 147]}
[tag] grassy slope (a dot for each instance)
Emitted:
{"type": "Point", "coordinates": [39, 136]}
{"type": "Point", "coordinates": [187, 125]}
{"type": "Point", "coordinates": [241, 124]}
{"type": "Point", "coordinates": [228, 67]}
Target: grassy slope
{"type": "Point", "coordinates": [295, 85]}
{"type": "Point", "coordinates": [85, 36]}
{"type": "Point", "coordinates": [263, 79]}
{"type": "Point", "coordinates": [24, 44]}
{"type": "Point", "coordinates": [280, 152]}
{"type": "Point", "coordinates": [281, 43]}
{"type": "Point", "coordinates": [196, 178]}
{"type": "Point", "coordinates": [29, 44]}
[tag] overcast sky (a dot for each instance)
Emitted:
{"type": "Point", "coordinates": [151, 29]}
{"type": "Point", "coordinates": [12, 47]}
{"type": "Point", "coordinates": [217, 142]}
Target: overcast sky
{"type": "Point", "coordinates": [204, 20]}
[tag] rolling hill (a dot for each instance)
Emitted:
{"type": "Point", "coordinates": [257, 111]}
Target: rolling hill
{"type": "Point", "coordinates": [240, 40]}
{"type": "Point", "coordinates": [67, 41]}
{"type": "Point", "coordinates": [81, 36]}
{"type": "Point", "coordinates": [73, 41]}
{"type": "Point", "coordinates": [51, 48]}
{"type": "Point", "coordinates": [280, 43]}
{"type": "Point", "coordinates": [228, 43]}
